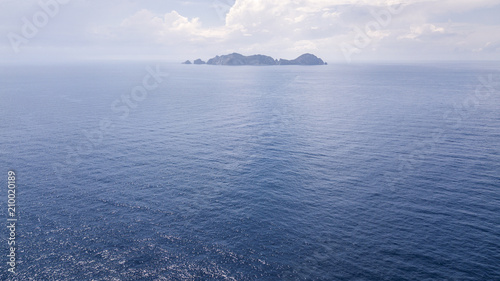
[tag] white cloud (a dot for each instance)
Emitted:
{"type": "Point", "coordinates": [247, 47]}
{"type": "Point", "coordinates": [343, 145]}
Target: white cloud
{"type": "Point", "coordinates": [282, 27]}
{"type": "Point", "coordinates": [160, 28]}
{"type": "Point", "coordinates": [293, 26]}
{"type": "Point", "coordinates": [418, 31]}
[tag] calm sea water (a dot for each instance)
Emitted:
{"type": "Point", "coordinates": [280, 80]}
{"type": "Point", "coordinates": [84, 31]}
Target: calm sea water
{"type": "Point", "coordinates": [339, 172]}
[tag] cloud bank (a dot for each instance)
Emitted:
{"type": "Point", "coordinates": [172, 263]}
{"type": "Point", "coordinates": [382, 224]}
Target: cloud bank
{"type": "Point", "coordinates": [344, 30]}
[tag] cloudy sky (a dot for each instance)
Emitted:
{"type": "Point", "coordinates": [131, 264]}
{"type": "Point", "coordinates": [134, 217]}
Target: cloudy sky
{"type": "Point", "coordinates": [335, 30]}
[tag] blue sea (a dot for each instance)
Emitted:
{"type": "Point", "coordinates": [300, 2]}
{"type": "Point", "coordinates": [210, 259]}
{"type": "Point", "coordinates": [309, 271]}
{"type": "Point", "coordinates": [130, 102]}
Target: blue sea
{"type": "Point", "coordinates": [162, 171]}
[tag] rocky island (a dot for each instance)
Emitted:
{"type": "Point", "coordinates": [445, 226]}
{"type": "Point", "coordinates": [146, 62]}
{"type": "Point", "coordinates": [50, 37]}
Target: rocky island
{"type": "Point", "coordinates": [238, 59]}
{"type": "Point", "coordinates": [199, 61]}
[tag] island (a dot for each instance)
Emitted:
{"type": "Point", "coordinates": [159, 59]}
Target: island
{"type": "Point", "coordinates": [199, 61]}
{"type": "Point", "coordinates": [305, 59]}
{"type": "Point", "coordinates": [239, 59]}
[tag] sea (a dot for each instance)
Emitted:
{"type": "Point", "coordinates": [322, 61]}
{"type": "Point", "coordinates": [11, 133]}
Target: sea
{"type": "Point", "coordinates": [151, 170]}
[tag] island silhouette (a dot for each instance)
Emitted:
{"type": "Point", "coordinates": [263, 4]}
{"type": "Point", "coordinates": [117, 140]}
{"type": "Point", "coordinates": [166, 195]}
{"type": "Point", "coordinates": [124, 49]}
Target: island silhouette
{"type": "Point", "coordinates": [239, 59]}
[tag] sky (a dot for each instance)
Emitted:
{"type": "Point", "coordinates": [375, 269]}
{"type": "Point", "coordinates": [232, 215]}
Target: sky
{"type": "Point", "coordinates": [335, 30]}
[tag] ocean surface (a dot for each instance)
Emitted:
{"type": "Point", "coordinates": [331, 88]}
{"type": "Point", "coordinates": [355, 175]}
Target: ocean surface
{"type": "Point", "coordinates": [338, 172]}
